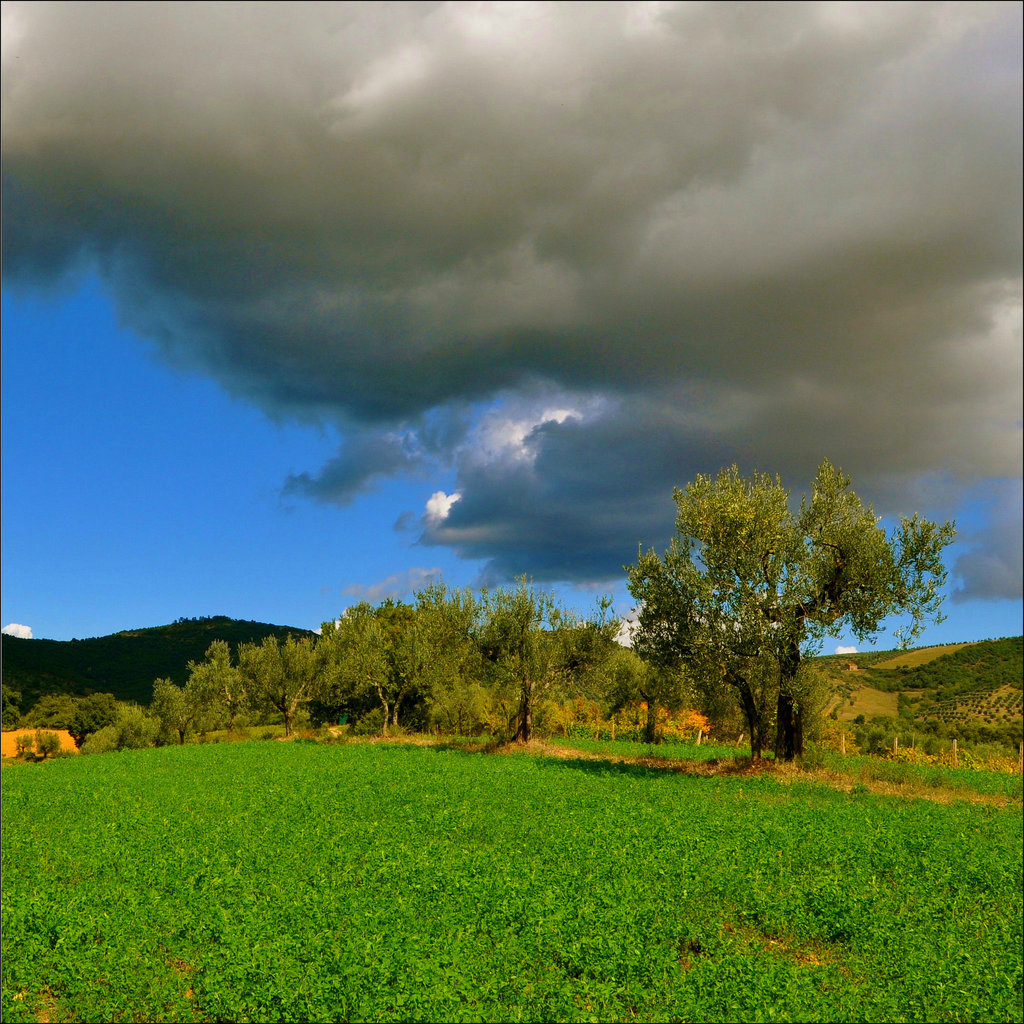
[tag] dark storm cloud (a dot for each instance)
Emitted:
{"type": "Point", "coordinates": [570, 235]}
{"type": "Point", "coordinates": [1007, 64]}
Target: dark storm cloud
{"type": "Point", "coordinates": [768, 233]}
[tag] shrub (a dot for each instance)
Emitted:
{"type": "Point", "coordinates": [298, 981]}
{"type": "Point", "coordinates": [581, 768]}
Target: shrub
{"type": "Point", "coordinates": [370, 724]}
{"type": "Point", "coordinates": [24, 745]}
{"type": "Point", "coordinates": [133, 730]}
{"type": "Point", "coordinates": [102, 741]}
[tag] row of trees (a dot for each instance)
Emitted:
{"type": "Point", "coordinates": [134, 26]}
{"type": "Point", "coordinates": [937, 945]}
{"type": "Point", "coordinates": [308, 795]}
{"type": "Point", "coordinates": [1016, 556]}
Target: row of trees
{"type": "Point", "coordinates": [500, 663]}
{"type": "Point", "coordinates": [451, 660]}
{"type": "Point", "coordinates": [749, 586]}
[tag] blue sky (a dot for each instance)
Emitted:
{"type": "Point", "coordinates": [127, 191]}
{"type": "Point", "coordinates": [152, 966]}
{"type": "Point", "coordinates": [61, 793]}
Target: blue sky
{"type": "Point", "coordinates": [465, 291]}
{"type": "Point", "coordinates": [134, 494]}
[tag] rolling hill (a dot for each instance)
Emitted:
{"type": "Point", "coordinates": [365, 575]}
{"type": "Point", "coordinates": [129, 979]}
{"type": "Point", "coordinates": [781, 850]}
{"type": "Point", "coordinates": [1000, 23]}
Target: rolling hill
{"type": "Point", "coordinates": [959, 684]}
{"type": "Point", "coordinates": [126, 663]}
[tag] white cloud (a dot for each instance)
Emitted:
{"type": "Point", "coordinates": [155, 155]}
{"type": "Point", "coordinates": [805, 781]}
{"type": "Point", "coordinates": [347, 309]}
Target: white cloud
{"type": "Point", "coordinates": [846, 650]}
{"type": "Point", "coordinates": [627, 628]}
{"type": "Point", "coordinates": [439, 505]}
{"type": "Point", "coordinates": [397, 586]}
{"type": "Point", "coordinates": [17, 629]}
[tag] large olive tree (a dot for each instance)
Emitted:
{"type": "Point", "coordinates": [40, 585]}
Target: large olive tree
{"type": "Point", "coordinates": [749, 584]}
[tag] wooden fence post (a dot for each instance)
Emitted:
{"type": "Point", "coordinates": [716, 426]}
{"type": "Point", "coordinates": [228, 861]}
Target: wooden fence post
{"type": "Point", "coordinates": [842, 742]}
{"type": "Point", "coordinates": [956, 759]}
{"type": "Point", "coordinates": [700, 736]}
{"type": "Point", "coordinates": [895, 745]}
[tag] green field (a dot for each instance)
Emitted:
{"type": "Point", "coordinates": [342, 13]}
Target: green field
{"type": "Point", "coordinates": [300, 881]}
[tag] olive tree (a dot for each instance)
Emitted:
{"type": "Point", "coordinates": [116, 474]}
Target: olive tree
{"type": "Point", "coordinates": [532, 646]}
{"type": "Point", "coordinates": [216, 681]}
{"type": "Point", "coordinates": [281, 676]}
{"type": "Point", "coordinates": [749, 585]}
{"type": "Point", "coordinates": [358, 663]}
{"type": "Point", "coordinates": [449, 622]}
{"type": "Point", "coordinates": [517, 642]}
{"type": "Point", "coordinates": [177, 707]}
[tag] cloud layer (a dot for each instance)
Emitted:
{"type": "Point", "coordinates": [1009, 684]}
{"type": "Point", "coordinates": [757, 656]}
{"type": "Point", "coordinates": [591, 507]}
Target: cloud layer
{"type": "Point", "coordinates": [573, 253]}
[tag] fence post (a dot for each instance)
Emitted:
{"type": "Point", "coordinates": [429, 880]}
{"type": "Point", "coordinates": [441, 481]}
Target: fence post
{"type": "Point", "coordinates": [700, 736]}
{"type": "Point", "coordinates": [842, 742]}
{"type": "Point", "coordinates": [895, 745]}
{"type": "Point", "coordinates": [956, 759]}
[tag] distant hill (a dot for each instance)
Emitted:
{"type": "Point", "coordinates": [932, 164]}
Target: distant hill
{"type": "Point", "coordinates": [960, 683]}
{"type": "Point", "coordinates": [124, 664]}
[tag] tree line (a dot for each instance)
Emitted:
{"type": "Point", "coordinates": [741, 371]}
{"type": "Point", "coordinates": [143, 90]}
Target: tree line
{"type": "Point", "coordinates": [726, 617]}
{"type": "Point", "coordinates": [503, 662]}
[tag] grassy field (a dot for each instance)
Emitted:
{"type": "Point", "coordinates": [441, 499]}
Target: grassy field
{"type": "Point", "coordinates": [302, 881]}
{"type": "Point", "coordinates": [869, 702]}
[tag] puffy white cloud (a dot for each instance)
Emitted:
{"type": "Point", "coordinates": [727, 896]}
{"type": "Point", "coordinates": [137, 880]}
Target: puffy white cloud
{"type": "Point", "coordinates": [846, 650]}
{"type": "Point", "coordinates": [17, 629]}
{"type": "Point", "coordinates": [661, 237]}
{"type": "Point", "coordinates": [439, 505]}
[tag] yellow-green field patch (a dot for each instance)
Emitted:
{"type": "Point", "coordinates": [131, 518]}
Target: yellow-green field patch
{"type": "Point", "coordinates": [921, 656]}
{"type": "Point", "coordinates": [869, 702]}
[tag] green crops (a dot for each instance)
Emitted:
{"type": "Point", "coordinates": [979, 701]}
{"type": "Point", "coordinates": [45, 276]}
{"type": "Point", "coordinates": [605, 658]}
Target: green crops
{"type": "Point", "coordinates": [294, 882]}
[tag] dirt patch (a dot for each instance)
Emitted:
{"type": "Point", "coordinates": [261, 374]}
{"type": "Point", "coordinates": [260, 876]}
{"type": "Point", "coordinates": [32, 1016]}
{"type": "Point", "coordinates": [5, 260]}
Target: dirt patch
{"type": "Point", "coordinates": [10, 740]}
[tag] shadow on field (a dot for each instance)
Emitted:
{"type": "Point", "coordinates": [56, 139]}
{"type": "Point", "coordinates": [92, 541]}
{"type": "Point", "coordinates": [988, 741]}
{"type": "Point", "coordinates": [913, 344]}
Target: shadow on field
{"type": "Point", "coordinates": [640, 766]}
{"type": "Point", "coordinates": [606, 767]}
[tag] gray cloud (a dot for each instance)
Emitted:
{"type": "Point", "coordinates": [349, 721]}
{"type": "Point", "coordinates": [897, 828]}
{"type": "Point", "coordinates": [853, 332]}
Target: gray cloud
{"type": "Point", "coordinates": [763, 233]}
{"type": "Point", "coordinates": [365, 459]}
{"type": "Point", "coordinates": [993, 566]}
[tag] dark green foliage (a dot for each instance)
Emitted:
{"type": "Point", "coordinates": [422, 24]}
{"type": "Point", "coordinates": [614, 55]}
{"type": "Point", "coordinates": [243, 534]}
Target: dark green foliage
{"type": "Point", "coordinates": [53, 710]}
{"type": "Point", "coordinates": [124, 664]}
{"type": "Point", "coordinates": [12, 707]}
{"type": "Point", "coordinates": [91, 714]}
{"type": "Point", "coordinates": [80, 716]}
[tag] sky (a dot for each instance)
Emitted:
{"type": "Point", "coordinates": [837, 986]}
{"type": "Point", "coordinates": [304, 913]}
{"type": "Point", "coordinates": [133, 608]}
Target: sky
{"type": "Point", "coordinates": [308, 304]}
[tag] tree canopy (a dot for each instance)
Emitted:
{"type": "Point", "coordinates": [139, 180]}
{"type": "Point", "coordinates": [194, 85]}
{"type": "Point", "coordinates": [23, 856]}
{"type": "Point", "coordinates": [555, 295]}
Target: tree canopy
{"type": "Point", "coordinates": [748, 586]}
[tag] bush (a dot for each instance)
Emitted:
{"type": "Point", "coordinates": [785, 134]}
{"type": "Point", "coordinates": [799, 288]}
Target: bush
{"type": "Point", "coordinates": [133, 730]}
{"type": "Point", "coordinates": [102, 741]}
{"type": "Point", "coordinates": [24, 745]}
{"type": "Point", "coordinates": [370, 724]}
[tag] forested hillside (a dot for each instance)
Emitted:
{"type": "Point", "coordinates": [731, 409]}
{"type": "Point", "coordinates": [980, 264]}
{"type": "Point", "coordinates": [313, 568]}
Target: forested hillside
{"type": "Point", "coordinates": [126, 663]}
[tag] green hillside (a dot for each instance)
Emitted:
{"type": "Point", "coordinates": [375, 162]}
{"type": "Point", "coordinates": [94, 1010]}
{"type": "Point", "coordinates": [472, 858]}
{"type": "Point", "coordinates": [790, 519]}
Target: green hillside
{"type": "Point", "coordinates": [124, 664]}
{"type": "Point", "coordinates": [972, 691]}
